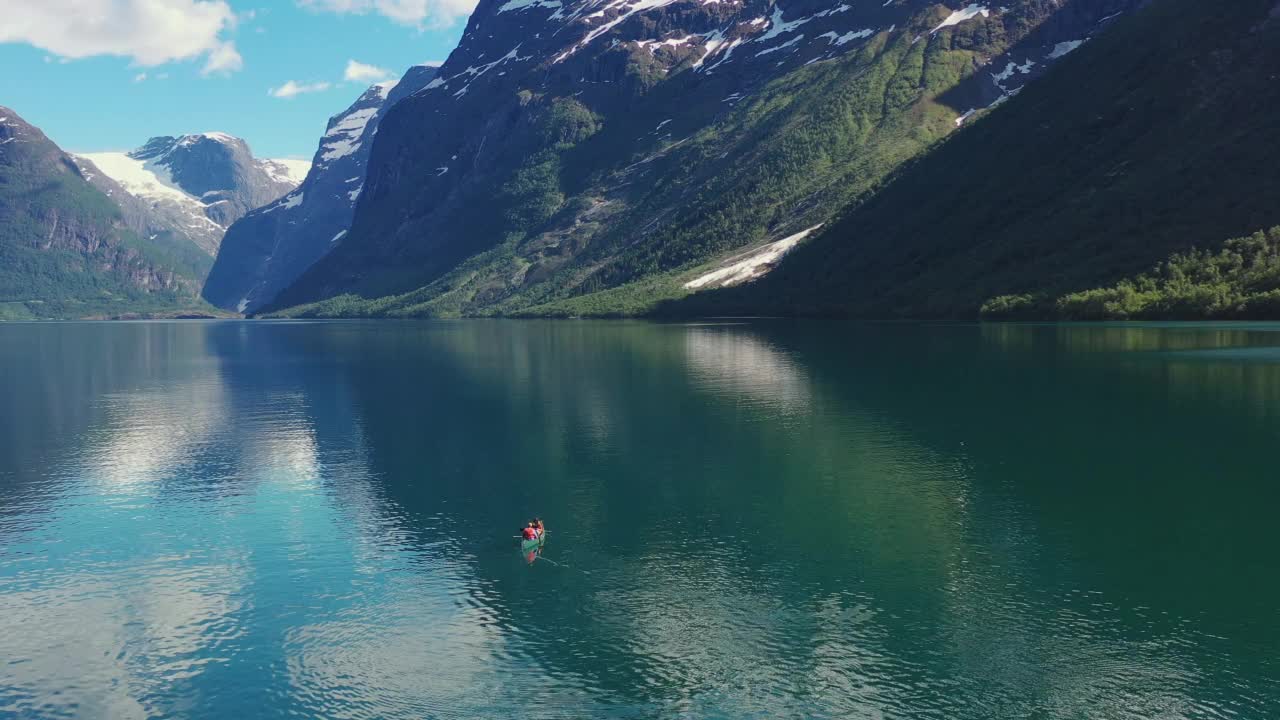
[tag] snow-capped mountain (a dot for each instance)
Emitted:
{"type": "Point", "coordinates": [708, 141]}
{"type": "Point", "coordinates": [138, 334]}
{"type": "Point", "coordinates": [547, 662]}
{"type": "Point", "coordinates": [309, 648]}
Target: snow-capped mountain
{"type": "Point", "coordinates": [268, 248]}
{"type": "Point", "coordinates": [570, 147]}
{"type": "Point", "coordinates": [192, 185]}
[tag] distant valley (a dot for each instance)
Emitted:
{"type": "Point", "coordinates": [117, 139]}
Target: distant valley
{"type": "Point", "coordinates": [268, 249]}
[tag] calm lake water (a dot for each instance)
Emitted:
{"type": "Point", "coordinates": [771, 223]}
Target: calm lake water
{"type": "Point", "coordinates": [775, 519]}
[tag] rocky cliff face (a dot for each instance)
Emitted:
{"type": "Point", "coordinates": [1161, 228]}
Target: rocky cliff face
{"type": "Point", "coordinates": [573, 149]}
{"type": "Point", "coordinates": [270, 247]}
{"type": "Point", "coordinates": [65, 247]}
{"type": "Point", "coordinates": [190, 186]}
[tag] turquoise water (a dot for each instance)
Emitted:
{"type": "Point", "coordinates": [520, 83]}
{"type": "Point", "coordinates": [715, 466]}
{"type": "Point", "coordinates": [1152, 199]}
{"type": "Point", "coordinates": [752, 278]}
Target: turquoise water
{"type": "Point", "coordinates": [747, 520]}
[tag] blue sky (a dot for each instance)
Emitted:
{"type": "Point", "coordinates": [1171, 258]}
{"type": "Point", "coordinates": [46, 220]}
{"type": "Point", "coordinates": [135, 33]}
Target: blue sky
{"type": "Point", "coordinates": [127, 70]}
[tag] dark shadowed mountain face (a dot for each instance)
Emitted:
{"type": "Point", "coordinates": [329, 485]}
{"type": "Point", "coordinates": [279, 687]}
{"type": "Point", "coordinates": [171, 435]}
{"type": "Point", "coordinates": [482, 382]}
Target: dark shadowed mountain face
{"type": "Point", "coordinates": [270, 247]}
{"type": "Point", "coordinates": [578, 146]}
{"type": "Point", "coordinates": [66, 250]}
{"type": "Point", "coordinates": [1154, 138]}
{"type": "Point", "coordinates": [192, 186]}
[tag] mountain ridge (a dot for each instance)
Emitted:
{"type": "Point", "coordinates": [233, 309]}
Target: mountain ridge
{"type": "Point", "coordinates": [623, 140]}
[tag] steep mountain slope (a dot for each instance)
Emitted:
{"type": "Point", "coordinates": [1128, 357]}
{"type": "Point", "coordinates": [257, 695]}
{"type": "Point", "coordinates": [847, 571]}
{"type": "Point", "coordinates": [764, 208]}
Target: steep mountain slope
{"type": "Point", "coordinates": [65, 250]}
{"type": "Point", "coordinates": [1155, 137]}
{"type": "Point", "coordinates": [572, 147]}
{"type": "Point", "coordinates": [270, 247]}
{"type": "Point", "coordinates": [192, 186]}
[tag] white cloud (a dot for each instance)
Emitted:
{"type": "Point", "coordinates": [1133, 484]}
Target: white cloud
{"type": "Point", "coordinates": [437, 13]}
{"type": "Point", "coordinates": [293, 89]}
{"type": "Point", "coordinates": [139, 77]}
{"type": "Point", "coordinates": [222, 60]}
{"type": "Point", "coordinates": [150, 32]}
{"type": "Point", "coordinates": [361, 73]}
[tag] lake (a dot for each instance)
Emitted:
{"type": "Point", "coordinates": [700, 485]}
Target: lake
{"type": "Point", "coordinates": [746, 520]}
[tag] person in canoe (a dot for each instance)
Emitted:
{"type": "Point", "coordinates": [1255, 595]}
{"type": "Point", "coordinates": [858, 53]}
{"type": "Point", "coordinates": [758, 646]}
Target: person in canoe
{"type": "Point", "coordinates": [537, 525]}
{"type": "Point", "coordinates": [529, 532]}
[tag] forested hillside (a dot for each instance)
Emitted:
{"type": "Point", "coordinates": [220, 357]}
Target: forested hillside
{"type": "Point", "coordinates": [65, 250]}
{"type": "Point", "coordinates": [1154, 138]}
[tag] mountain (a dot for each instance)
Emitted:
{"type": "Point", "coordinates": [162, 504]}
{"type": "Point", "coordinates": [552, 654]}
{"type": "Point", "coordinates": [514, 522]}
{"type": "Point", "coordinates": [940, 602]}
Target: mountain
{"type": "Point", "coordinates": [579, 153]}
{"type": "Point", "coordinates": [1081, 198]}
{"type": "Point", "coordinates": [65, 248]}
{"type": "Point", "coordinates": [193, 186]}
{"type": "Point", "coordinates": [270, 247]}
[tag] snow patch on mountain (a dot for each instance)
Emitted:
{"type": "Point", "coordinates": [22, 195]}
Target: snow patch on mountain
{"type": "Point", "coordinates": [714, 40]}
{"type": "Point", "coordinates": [218, 137]}
{"type": "Point", "coordinates": [221, 137]}
{"type": "Point", "coordinates": [653, 45]}
{"type": "Point", "coordinates": [144, 178]}
{"type": "Point", "coordinates": [959, 16]}
{"type": "Point", "coordinates": [728, 53]}
{"type": "Point", "coordinates": [777, 25]}
{"type": "Point", "coordinates": [629, 8]}
{"type": "Point", "coordinates": [750, 265]}
{"type": "Point", "coordinates": [287, 169]}
{"type": "Point", "coordinates": [1063, 48]}
{"type": "Point", "coordinates": [839, 40]}
{"type": "Point", "coordinates": [783, 46]}
{"type": "Point", "coordinates": [511, 5]}
{"type": "Point", "coordinates": [1010, 69]}
{"type": "Point", "coordinates": [475, 71]}
{"type": "Point", "coordinates": [343, 139]}
{"type": "Point", "coordinates": [292, 200]}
